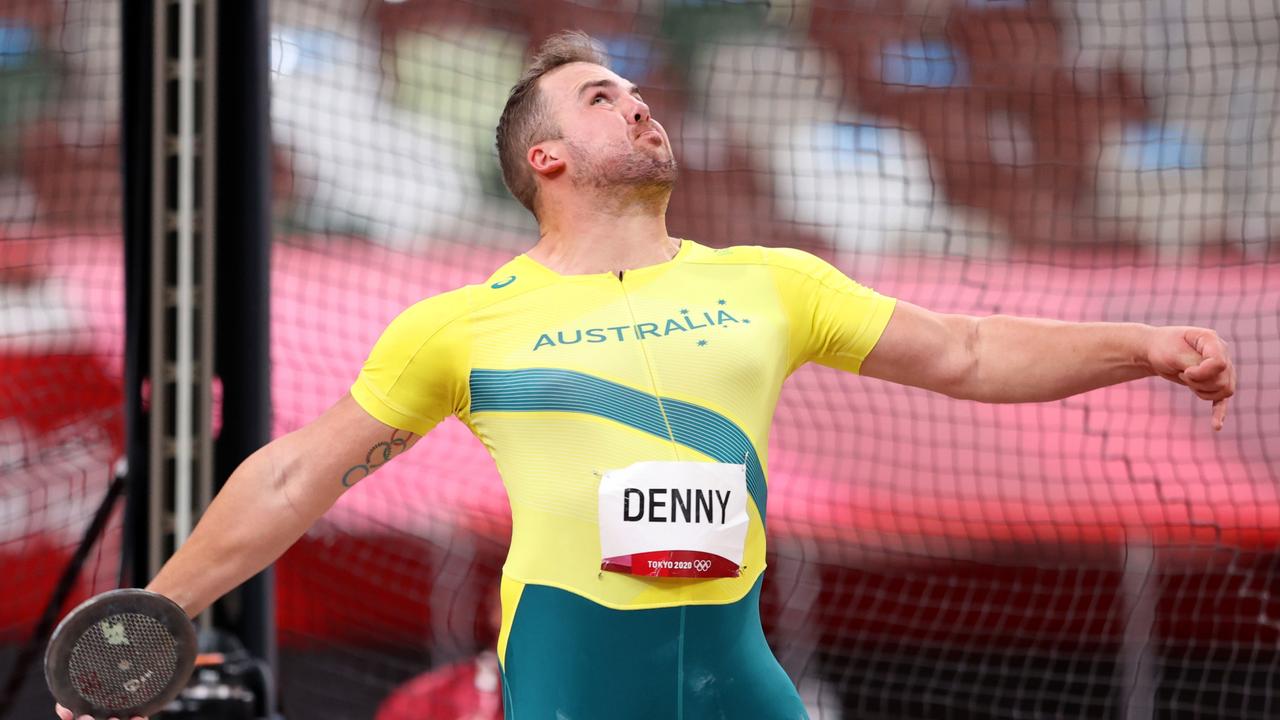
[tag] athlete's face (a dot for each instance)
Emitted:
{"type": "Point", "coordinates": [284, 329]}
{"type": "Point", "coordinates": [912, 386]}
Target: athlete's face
{"type": "Point", "coordinates": [604, 123]}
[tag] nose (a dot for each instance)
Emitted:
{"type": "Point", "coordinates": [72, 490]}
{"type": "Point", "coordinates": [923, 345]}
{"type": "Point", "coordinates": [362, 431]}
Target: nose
{"type": "Point", "coordinates": [638, 112]}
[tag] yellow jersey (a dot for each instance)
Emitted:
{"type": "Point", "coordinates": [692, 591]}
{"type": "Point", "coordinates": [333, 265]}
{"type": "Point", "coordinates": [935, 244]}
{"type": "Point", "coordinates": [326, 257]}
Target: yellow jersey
{"type": "Point", "coordinates": [564, 378]}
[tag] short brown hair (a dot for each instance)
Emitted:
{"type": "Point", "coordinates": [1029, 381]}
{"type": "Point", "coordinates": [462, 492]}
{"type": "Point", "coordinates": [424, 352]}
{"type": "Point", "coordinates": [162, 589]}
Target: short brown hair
{"type": "Point", "coordinates": [524, 121]}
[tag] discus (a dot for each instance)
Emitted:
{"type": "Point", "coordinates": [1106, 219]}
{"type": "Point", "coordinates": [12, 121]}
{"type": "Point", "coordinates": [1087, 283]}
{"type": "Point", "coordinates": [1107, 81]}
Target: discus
{"type": "Point", "coordinates": [123, 653]}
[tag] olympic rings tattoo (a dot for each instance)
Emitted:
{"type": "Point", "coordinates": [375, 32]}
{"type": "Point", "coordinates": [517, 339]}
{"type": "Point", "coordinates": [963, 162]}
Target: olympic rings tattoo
{"type": "Point", "coordinates": [378, 455]}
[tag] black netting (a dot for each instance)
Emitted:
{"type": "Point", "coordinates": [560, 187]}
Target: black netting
{"type": "Point", "coordinates": [61, 307]}
{"type": "Point", "coordinates": [1104, 556]}
{"type": "Point", "coordinates": [930, 558]}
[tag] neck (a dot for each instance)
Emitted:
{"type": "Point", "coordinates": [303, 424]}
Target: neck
{"type": "Point", "coordinates": [581, 241]}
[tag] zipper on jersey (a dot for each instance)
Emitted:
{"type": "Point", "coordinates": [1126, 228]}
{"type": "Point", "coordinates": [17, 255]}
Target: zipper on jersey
{"type": "Point", "coordinates": [648, 364]}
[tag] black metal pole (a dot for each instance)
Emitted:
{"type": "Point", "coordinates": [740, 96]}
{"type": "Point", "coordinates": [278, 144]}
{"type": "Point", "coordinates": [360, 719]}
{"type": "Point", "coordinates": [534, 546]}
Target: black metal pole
{"type": "Point", "coordinates": [243, 252]}
{"type": "Point", "coordinates": [138, 47]}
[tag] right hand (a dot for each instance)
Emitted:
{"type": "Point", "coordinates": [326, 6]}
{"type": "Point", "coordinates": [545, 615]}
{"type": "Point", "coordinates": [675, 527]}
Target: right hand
{"type": "Point", "coordinates": [1197, 358]}
{"type": "Point", "coordinates": [66, 714]}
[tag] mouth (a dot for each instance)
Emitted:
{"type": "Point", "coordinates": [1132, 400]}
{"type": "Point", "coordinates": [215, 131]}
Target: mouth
{"type": "Point", "coordinates": [649, 132]}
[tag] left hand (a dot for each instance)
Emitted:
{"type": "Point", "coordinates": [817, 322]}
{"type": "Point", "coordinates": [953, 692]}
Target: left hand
{"type": "Point", "coordinates": [1197, 358]}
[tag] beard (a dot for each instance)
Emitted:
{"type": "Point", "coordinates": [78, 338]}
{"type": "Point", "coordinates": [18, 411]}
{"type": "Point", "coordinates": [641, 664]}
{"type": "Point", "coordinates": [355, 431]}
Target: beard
{"type": "Point", "coordinates": [628, 175]}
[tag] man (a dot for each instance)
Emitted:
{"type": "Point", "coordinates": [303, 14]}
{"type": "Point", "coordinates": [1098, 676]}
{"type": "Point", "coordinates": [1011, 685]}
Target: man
{"type": "Point", "coordinates": [624, 382]}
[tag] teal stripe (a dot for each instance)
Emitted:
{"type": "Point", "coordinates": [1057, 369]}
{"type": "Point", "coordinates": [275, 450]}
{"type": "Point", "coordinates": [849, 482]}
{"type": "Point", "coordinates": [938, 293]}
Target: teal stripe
{"type": "Point", "coordinates": [558, 390]}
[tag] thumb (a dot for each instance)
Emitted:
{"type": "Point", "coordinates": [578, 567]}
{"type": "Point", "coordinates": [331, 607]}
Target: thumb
{"type": "Point", "coordinates": [1178, 353]}
{"type": "Point", "coordinates": [1189, 360]}
{"type": "Point", "coordinates": [1188, 355]}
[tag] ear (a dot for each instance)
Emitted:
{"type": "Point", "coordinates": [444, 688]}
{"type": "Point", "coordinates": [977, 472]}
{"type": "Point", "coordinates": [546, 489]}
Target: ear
{"type": "Point", "coordinates": [547, 158]}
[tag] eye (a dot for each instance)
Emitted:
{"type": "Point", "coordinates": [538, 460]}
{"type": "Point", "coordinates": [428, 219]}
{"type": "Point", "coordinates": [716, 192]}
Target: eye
{"type": "Point", "coordinates": [599, 96]}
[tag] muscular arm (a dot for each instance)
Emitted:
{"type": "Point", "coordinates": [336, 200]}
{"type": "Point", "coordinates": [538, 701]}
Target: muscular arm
{"type": "Point", "coordinates": [1002, 359]}
{"type": "Point", "coordinates": [271, 500]}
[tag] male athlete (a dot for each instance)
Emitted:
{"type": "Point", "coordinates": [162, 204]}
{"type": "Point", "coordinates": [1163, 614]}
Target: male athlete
{"type": "Point", "coordinates": [624, 382]}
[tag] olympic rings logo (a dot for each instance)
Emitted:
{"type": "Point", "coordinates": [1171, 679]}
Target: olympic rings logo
{"type": "Point", "coordinates": [702, 565]}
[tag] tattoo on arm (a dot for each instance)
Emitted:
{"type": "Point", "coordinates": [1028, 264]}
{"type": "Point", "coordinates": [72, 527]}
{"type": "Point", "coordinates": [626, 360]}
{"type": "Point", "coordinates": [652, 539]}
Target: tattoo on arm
{"type": "Point", "coordinates": [378, 455]}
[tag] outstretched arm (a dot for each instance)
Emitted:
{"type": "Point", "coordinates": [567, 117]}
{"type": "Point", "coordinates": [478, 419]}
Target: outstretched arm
{"type": "Point", "coordinates": [271, 500]}
{"type": "Point", "coordinates": [1003, 359]}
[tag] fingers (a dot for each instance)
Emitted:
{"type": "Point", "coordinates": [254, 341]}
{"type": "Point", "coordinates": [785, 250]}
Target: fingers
{"type": "Point", "coordinates": [1207, 343]}
{"type": "Point", "coordinates": [66, 714]}
{"type": "Point", "coordinates": [1219, 413]}
{"type": "Point", "coordinates": [1208, 368]}
{"type": "Point", "coordinates": [1213, 379]}
{"type": "Point", "coordinates": [1213, 390]}
{"type": "Point", "coordinates": [1213, 394]}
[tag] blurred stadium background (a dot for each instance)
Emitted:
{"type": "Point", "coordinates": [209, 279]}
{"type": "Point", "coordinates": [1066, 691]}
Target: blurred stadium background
{"type": "Point", "coordinates": [1106, 556]}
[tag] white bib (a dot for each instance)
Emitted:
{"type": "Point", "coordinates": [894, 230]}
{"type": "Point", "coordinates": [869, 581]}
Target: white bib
{"type": "Point", "coordinates": [674, 519]}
